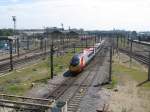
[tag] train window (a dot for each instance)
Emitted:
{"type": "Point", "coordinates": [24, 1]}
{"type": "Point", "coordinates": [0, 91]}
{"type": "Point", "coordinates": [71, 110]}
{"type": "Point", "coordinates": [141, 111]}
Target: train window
{"type": "Point", "coordinates": [90, 54]}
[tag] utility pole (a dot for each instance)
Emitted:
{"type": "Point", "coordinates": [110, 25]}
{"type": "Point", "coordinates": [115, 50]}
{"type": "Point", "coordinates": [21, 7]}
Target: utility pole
{"type": "Point", "coordinates": [82, 42]}
{"type": "Point", "coordinates": [130, 52]}
{"type": "Point", "coordinates": [41, 44]}
{"type": "Point", "coordinates": [117, 43]}
{"type": "Point", "coordinates": [74, 48]}
{"type": "Point", "coordinates": [45, 45]}
{"type": "Point", "coordinates": [94, 44]}
{"type": "Point", "coordinates": [18, 46]}
{"type": "Point", "coordinates": [86, 40]}
{"type": "Point", "coordinates": [128, 40]}
{"type": "Point", "coordinates": [10, 52]}
{"type": "Point", "coordinates": [121, 40]}
{"type": "Point", "coordinates": [110, 65]}
{"type": "Point", "coordinates": [63, 41]}
{"type": "Point", "coordinates": [124, 41]}
{"type": "Point", "coordinates": [51, 58]}
{"type": "Point", "coordinates": [149, 68]}
{"type": "Point", "coordinates": [95, 38]}
{"type": "Point", "coordinates": [62, 26]}
{"type": "Point", "coordinates": [113, 44]}
{"type": "Point", "coordinates": [28, 43]}
{"type": "Point", "coordinates": [68, 36]}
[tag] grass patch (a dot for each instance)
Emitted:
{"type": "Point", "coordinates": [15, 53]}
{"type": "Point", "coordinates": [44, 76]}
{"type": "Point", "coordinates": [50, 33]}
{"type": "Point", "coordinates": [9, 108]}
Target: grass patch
{"type": "Point", "coordinates": [17, 88]}
{"type": "Point", "coordinates": [62, 62]}
{"type": "Point", "coordinates": [44, 80]}
{"type": "Point", "coordinates": [146, 85]}
{"type": "Point", "coordinates": [136, 74]}
{"type": "Point", "coordinates": [20, 81]}
{"type": "Point", "coordinates": [113, 83]}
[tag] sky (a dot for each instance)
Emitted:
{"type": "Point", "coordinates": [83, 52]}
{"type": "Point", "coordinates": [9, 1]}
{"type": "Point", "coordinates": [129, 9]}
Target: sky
{"type": "Point", "coordinates": [86, 14]}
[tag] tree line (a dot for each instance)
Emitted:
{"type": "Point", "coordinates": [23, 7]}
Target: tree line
{"type": "Point", "coordinates": [6, 32]}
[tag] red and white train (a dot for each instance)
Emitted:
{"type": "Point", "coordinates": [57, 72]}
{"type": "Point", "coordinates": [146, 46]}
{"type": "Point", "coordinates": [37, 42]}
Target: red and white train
{"type": "Point", "coordinates": [79, 61]}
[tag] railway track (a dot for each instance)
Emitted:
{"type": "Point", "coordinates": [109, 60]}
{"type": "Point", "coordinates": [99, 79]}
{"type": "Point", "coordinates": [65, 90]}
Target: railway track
{"type": "Point", "coordinates": [139, 57]}
{"type": "Point", "coordinates": [36, 50]}
{"type": "Point", "coordinates": [74, 100]}
{"type": "Point", "coordinates": [81, 88]}
{"type": "Point", "coordinates": [73, 89]}
{"type": "Point", "coordinates": [5, 67]}
{"type": "Point", "coordinates": [22, 54]}
{"type": "Point", "coordinates": [18, 62]}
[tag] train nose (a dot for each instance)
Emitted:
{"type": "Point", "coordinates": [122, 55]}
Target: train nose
{"type": "Point", "coordinates": [74, 69]}
{"type": "Point", "coordinates": [75, 63]}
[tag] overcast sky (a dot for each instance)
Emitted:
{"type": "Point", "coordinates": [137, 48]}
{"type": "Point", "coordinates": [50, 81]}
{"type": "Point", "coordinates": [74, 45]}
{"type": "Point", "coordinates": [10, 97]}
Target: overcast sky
{"type": "Point", "coordinates": [87, 14]}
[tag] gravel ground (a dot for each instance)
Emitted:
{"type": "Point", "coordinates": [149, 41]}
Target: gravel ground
{"type": "Point", "coordinates": [97, 96]}
{"type": "Point", "coordinates": [43, 91]}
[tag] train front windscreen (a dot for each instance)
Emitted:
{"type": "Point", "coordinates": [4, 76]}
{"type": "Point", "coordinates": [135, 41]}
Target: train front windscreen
{"type": "Point", "coordinates": [75, 60]}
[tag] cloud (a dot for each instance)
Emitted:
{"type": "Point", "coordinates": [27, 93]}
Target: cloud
{"type": "Point", "coordinates": [89, 14]}
{"type": "Point", "coordinates": [14, 1]}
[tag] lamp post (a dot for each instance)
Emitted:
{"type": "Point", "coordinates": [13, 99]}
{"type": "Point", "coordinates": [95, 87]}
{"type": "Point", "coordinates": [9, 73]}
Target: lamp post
{"type": "Point", "coordinates": [16, 40]}
{"type": "Point", "coordinates": [14, 20]}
